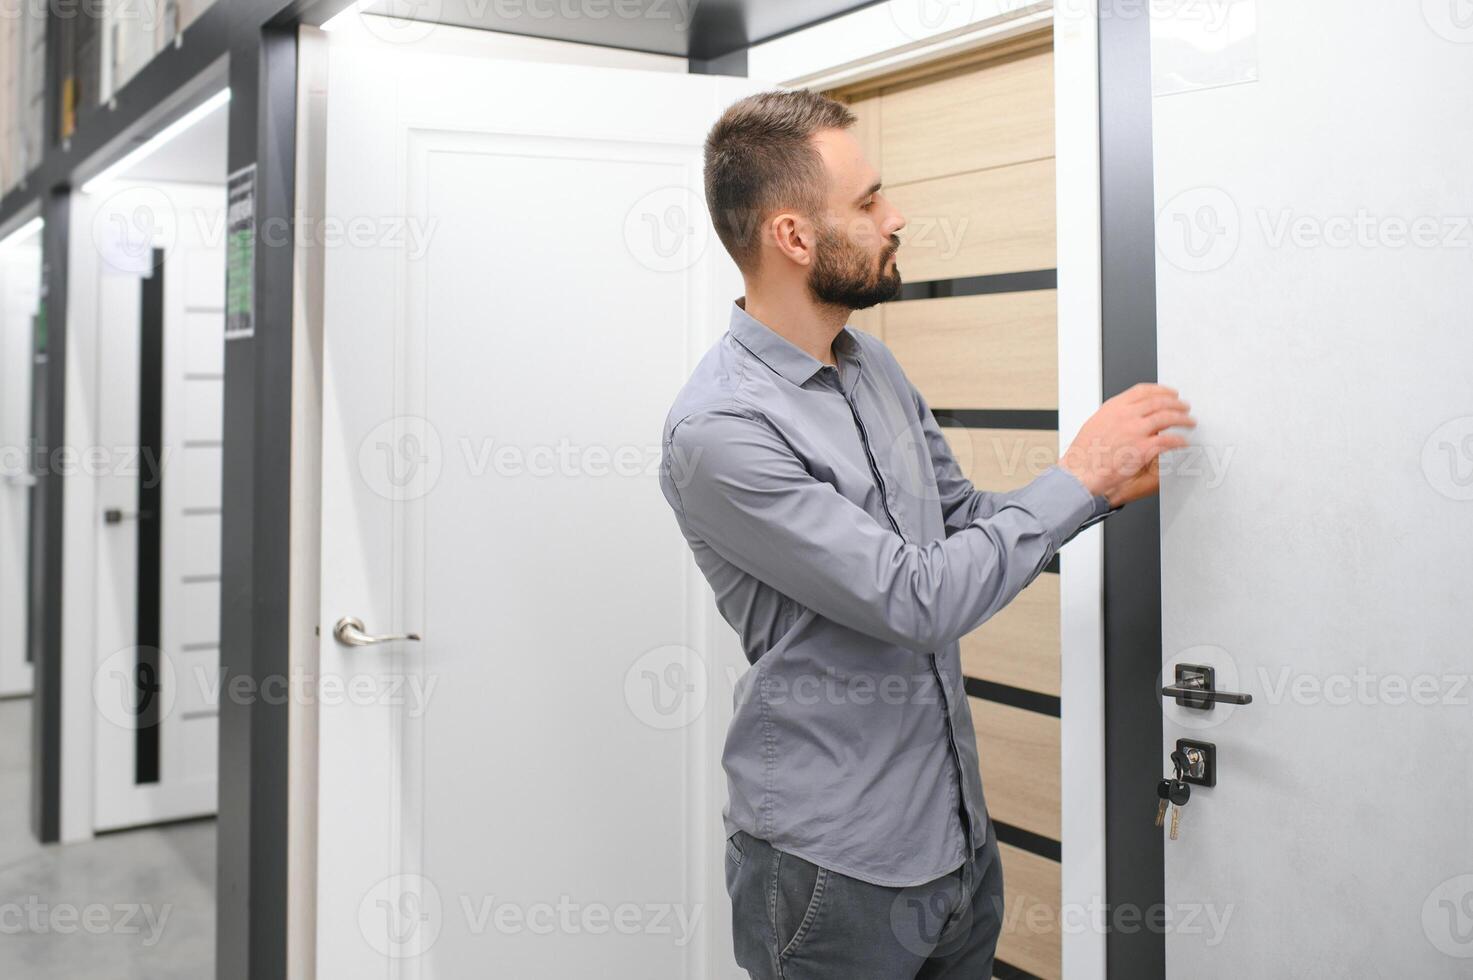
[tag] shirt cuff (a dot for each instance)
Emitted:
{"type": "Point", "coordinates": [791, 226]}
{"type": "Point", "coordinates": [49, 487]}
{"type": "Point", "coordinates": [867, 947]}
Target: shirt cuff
{"type": "Point", "coordinates": [1102, 511]}
{"type": "Point", "coordinates": [1060, 501]}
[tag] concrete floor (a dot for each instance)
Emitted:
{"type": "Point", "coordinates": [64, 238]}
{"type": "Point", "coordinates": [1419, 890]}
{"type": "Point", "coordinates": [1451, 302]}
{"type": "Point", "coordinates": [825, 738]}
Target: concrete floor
{"type": "Point", "coordinates": [133, 905]}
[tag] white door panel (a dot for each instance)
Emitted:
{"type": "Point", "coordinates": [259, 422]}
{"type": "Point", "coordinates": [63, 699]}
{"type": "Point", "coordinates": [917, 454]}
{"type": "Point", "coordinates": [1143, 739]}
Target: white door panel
{"type": "Point", "coordinates": [495, 379]}
{"type": "Point", "coordinates": [20, 297]}
{"type": "Point", "coordinates": [106, 339]}
{"type": "Point", "coordinates": [204, 343]}
{"type": "Point", "coordinates": [1317, 553]}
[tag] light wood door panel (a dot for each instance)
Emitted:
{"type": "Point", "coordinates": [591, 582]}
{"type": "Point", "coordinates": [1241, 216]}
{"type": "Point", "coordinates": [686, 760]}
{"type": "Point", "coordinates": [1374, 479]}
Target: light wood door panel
{"type": "Point", "coordinates": [966, 153]}
{"type": "Point", "coordinates": [1031, 938]}
{"type": "Point", "coordinates": [969, 119]}
{"type": "Point", "coordinates": [867, 129]}
{"type": "Point", "coordinates": [1019, 646]}
{"type": "Point", "coordinates": [1019, 753]}
{"type": "Point", "coordinates": [978, 224]}
{"type": "Point", "coordinates": [992, 351]}
{"type": "Point", "coordinates": [1001, 459]}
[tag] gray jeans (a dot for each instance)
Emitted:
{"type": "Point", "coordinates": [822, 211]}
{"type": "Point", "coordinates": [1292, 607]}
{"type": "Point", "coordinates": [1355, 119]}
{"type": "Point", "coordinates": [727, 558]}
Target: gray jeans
{"type": "Point", "coordinates": [792, 920]}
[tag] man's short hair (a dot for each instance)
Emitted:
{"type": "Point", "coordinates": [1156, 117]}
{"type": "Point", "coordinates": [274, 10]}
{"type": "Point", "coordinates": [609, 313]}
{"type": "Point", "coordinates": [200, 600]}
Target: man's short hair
{"type": "Point", "coordinates": [760, 157]}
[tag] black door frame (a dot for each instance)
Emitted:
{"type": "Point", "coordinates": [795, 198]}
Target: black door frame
{"type": "Point", "coordinates": [1135, 883]}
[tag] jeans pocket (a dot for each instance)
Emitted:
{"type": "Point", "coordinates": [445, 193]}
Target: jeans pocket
{"type": "Point", "coordinates": [734, 850]}
{"type": "Point", "coordinates": [800, 893]}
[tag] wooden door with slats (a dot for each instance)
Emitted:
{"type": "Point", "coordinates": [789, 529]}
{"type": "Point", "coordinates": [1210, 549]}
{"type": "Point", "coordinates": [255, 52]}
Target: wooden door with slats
{"type": "Point", "coordinates": [966, 150]}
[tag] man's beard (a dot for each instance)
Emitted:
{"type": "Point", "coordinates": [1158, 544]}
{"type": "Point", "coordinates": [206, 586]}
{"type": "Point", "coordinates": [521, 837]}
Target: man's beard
{"type": "Point", "coordinates": [845, 275]}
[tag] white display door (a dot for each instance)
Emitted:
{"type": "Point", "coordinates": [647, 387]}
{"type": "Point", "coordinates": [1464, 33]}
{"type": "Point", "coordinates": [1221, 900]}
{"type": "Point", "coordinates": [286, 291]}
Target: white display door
{"type": "Point", "coordinates": [175, 453]}
{"type": "Point", "coordinates": [20, 298]}
{"type": "Point", "coordinates": [523, 281]}
{"type": "Point", "coordinates": [1315, 285]}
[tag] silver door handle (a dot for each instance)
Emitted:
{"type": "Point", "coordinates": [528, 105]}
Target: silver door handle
{"type": "Point", "coordinates": [349, 632]}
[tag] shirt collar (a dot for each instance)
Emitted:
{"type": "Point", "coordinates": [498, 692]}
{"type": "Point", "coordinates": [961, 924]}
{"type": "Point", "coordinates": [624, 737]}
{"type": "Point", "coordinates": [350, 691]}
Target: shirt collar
{"type": "Point", "coordinates": [782, 355]}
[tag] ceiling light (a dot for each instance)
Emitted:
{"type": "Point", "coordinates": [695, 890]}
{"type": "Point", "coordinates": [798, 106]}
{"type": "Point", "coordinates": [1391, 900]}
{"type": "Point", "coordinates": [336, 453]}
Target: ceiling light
{"type": "Point", "coordinates": [158, 142]}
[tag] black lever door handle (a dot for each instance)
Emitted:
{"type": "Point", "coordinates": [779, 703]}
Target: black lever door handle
{"type": "Point", "coordinates": [1197, 694]}
{"type": "Point", "coordinates": [1194, 688]}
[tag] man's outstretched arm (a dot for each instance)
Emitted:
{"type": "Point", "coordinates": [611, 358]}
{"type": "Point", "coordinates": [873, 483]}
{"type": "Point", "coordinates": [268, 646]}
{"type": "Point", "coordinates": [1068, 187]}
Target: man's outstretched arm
{"type": "Point", "coordinates": [749, 497]}
{"type": "Point", "coordinates": [961, 502]}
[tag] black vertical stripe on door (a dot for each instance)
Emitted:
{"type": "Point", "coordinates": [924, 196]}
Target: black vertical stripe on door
{"type": "Point", "coordinates": [44, 541]}
{"type": "Point", "coordinates": [150, 481]}
{"type": "Point", "coordinates": [33, 464]}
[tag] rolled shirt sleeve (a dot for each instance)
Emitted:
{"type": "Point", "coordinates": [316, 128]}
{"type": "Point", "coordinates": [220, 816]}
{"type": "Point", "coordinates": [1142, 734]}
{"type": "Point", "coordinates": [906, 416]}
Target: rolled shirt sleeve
{"type": "Point", "coordinates": [750, 498]}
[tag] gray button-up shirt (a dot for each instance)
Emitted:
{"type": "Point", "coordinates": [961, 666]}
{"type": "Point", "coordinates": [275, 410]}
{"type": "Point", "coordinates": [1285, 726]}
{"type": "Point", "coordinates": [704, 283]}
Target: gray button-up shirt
{"type": "Point", "coordinates": [850, 553]}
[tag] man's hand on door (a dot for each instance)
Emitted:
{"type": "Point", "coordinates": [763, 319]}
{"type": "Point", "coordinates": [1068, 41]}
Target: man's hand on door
{"type": "Point", "coordinates": [1117, 452]}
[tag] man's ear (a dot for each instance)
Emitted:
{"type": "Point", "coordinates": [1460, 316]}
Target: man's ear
{"type": "Point", "coordinates": [793, 236]}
